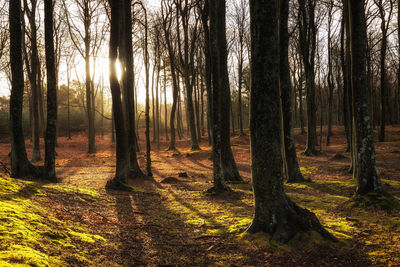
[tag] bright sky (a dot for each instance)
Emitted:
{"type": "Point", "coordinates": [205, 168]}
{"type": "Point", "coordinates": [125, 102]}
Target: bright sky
{"type": "Point", "coordinates": [101, 70]}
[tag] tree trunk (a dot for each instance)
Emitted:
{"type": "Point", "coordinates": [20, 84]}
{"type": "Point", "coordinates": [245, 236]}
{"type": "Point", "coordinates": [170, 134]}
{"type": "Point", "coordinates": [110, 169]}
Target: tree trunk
{"type": "Point", "coordinates": [330, 76]}
{"type": "Point", "coordinates": [89, 102]}
{"type": "Point", "coordinates": [122, 150]}
{"type": "Point", "coordinates": [51, 127]}
{"type": "Point", "coordinates": [165, 106]}
{"type": "Point", "coordinates": [126, 60]}
{"type": "Point", "coordinates": [219, 94]}
{"type": "Point", "coordinates": [364, 166]}
{"type": "Point", "coordinates": [20, 165]}
{"type": "Point", "coordinates": [346, 79]}
{"type": "Point", "coordinates": [308, 47]}
{"type": "Point", "coordinates": [290, 158]}
{"type": "Point", "coordinates": [274, 212]}
{"type": "Point", "coordinates": [33, 73]}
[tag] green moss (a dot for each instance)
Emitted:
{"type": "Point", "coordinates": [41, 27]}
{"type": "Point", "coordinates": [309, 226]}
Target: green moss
{"type": "Point", "coordinates": [26, 226]}
{"type": "Point", "coordinates": [85, 237]}
{"type": "Point", "coordinates": [67, 188]}
{"type": "Point", "coordinates": [18, 255]}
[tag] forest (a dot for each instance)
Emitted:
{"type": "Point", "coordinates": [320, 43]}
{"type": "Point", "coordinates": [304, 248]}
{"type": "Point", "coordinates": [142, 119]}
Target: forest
{"type": "Point", "coordinates": [199, 133]}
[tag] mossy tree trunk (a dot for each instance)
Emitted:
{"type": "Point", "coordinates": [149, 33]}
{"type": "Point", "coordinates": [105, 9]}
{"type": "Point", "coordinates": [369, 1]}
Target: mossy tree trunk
{"type": "Point", "coordinates": [364, 158]}
{"type": "Point", "coordinates": [20, 165]}
{"type": "Point", "coordinates": [274, 212]}
{"type": "Point", "coordinates": [51, 127]}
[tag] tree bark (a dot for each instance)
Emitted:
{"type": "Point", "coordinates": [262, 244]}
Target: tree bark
{"type": "Point", "coordinates": [219, 83]}
{"type": "Point", "coordinates": [364, 158]}
{"type": "Point", "coordinates": [126, 60]}
{"type": "Point", "coordinates": [274, 212]}
{"type": "Point", "coordinates": [308, 48]}
{"type": "Point", "coordinates": [290, 158]}
{"type": "Point", "coordinates": [51, 127]}
{"type": "Point", "coordinates": [20, 165]}
{"type": "Point", "coordinates": [122, 150]}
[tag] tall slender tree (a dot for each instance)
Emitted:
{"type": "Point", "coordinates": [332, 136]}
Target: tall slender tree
{"type": "Point", "coordinates": [51, 127]}
{"type": "Point", "coordinates": [290, 158]}
{"type": "Point", "coordinates": [122, 168]}
{"type": "Point", "coordinates": [127, 77]}
{"type": "Point", "coordinates": [219, 83]}
{"type": "Point", "coordinates": [308, 35]}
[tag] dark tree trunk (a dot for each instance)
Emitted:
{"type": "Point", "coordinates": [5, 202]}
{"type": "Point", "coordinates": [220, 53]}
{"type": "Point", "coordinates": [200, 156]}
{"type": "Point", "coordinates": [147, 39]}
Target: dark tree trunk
{"type": "Point", "coordinates": [51, 127]}
{"type": "Point", "coordinates": [398, 67]}
{"type": "Point", "coordinates": [291, 163]}
{"type": "Point", "coordinates": [219, 94]}
{"type": "Point", "coordinates": [301, 101]}
{"type": "Point", "coordinates": [308, 47]}
{"type": "Point", "coordinates": [364, 158]}
{"type": "Point", "coordinates": [330, 76]}
{"type": "Point", "coordinates": [346, 78]}
{"type": "Point", "coordinates": [274, 213]}
{"type": "Point", "coordinates": [20, 165]}
{"type": "Point", "coordinates": [165, 106]}
{"type": "Point", "coordinates": [126, 60]}
{"type": "Point", "coordinates": [207, 67]}
{"type": "Point", "coordinates": [153, 108]}
{"type": "Point", "coordinates": [88, 83]}
{"type": "Point", "coordinates": [175, 88]}
{"type": "Point", "coordinates": [33, 73]}
{"type": "Point", "coordinates": [122, 149]}
{"type": "Point", "coordinates": [384, 94]}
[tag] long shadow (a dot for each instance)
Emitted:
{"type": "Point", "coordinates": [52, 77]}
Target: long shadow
{"type": "Point", "coordinates": [131, 246]}
{"type": "Point", "coordinates": [200, 164]}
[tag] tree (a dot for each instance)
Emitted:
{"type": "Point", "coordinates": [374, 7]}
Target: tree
{"type": "Point", "coordinates": [87, 44]}
{"type": "Point", "coordinates": [33, 69]}
{"type": "Point", "coordinates": [20, 165]}
{"type": "Point", "coordinates": [274, 212]}
{"type": "Point", "coordinates": [330, 72]}
{"type": "Point", "coordinates": [122, 168]}
{"type": "Point", "coordinates": [127, 77]}
{"type": "Point", "coordinates": [364, 158]}
{"type": "Point", "coordinates": [308, 33]}
{"type": "Point", "coordinates": [290, 158]}
{"type": "Point", "coordinates": [187, 62]}
{"type": "Point", "coordinates": [51, 127]}
{"type": "Point", "coordinates": [240, 17]}
{"type": "Point", "coordinates": [384, 94]}
{"type": "Point", "coordinates": [219, 83]}
{"type": "Point", "coordinates": [166, 13]}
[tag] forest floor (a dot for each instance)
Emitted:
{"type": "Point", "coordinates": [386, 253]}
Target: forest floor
{"type": "Point", "coordinates": [170, 220]}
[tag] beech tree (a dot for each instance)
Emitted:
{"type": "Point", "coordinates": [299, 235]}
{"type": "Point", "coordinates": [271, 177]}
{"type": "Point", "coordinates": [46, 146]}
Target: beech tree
{"type": "Point", "coordinates": [274, 212]}
{"type": "Point", "coordinates": [364, 159]}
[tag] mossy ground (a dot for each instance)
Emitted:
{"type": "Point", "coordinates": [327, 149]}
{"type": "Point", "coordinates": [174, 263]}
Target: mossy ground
{"type": "Point", "coordinates": [78, 222]}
